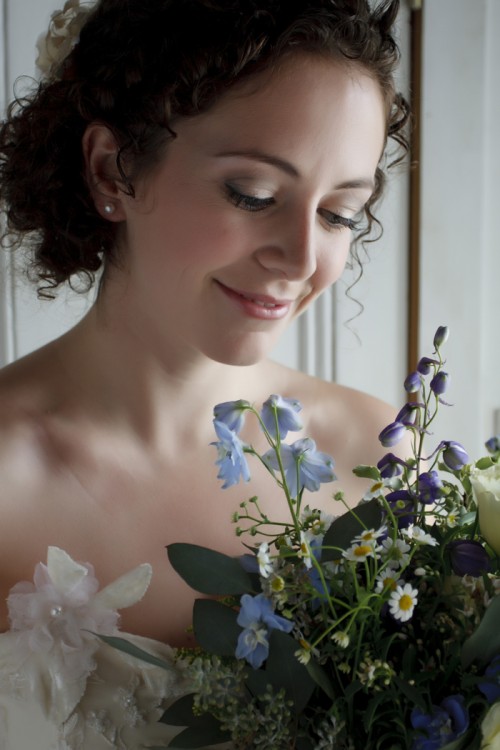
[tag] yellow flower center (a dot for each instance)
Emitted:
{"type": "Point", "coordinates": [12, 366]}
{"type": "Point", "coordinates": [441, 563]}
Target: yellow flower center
{"type": "Point", "coordinates": [405, 603]}
{"type": "Point", "coordinates": [362, 550]}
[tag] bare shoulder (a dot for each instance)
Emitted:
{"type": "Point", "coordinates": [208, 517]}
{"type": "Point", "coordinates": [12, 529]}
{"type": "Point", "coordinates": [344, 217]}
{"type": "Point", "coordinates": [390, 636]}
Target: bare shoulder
{"type": "Point", "coordinates": [343, 421]}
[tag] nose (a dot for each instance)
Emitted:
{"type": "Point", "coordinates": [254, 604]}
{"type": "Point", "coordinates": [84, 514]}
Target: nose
{"type": "Point", "coordinates": [291, 249]}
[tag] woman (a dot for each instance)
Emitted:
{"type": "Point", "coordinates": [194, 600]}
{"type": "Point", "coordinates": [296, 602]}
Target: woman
{"type": "Point", "coordinates": [217, 160]}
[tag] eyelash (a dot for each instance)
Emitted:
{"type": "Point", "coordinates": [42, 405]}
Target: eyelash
{"type": "Point", "coordinates": [252, 203]}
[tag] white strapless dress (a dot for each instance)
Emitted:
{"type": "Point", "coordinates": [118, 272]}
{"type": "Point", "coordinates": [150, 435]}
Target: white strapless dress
{"type": "Point", "coordinates": [61, 686]}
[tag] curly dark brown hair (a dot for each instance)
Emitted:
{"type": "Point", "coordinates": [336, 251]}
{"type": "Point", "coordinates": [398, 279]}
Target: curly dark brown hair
{"type": "Point", "coordinates": [140, 64]}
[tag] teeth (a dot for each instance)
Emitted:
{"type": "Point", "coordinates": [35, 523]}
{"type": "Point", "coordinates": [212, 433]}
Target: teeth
{"type": "Point", "coordinates": [261, 304]}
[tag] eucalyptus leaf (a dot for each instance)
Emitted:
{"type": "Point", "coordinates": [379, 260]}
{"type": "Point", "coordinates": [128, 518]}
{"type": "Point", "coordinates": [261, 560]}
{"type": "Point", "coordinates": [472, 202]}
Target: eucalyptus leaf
{"type": "Point", "coordinates": [194, 737]}
{"type": "Point", "coordinates": [121, 644]}
{"type": "Point", "coordinates": [343, 530]}
{"type": "Point", "coordinates": [367, 472]}
{"type": "Point", "coordinates": [320, 677]}
{"type": "Point", "coordinates": [484, 643]}
{"type": "Point", "coordinates": [215, 627]}
{"type": "Point", "coordinates": [208, 571]}
{"type": "Point", "coordinates": [283, 669]}
{"type": "Point", "coordinates": [180, 713]}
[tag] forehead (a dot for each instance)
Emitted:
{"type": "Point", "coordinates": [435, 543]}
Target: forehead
{"type": "Point", "coordinates": [308, 109]}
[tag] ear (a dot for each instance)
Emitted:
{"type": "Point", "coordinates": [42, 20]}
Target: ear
{"type": "Point", "coordinates": [99, 151]}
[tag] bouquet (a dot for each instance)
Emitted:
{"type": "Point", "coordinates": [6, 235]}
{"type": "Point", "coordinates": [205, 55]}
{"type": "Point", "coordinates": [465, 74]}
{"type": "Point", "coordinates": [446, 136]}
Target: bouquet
{"type": "Point", "coordinates": [377, 628]}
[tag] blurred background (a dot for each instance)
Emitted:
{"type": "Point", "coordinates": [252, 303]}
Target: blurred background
{"type": "Point", "coordinates": [437, 263]}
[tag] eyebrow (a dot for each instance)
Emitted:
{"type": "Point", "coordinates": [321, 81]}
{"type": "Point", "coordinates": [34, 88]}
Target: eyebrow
{"type": "Point", "coordinates": [288, 168]}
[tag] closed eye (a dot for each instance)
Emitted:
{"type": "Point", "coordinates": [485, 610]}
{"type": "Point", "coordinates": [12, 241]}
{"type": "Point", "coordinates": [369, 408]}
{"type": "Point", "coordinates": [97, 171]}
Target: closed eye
{"type": "Point", "coordinates": [247, 202]}
{"type": "Point", "coordinates": [336, 221]}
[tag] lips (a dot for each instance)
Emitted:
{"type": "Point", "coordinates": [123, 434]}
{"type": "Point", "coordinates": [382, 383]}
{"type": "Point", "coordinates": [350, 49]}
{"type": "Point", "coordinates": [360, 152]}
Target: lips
{"type": "Point", "coordinates": [258, 305]}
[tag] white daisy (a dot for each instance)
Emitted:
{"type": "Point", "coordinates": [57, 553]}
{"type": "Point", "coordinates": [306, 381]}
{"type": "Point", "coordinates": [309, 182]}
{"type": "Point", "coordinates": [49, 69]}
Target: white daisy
{"type": "Point", "coordinates": [371, 535]}
{"type": "Point", "coordinates": [359, 551]}
{"type": "Point", "coordinates": [264, 560]}
{"type": "Point", "coordinates": [419, 535]}
{"type": "Point", "coordinates": [403, 601]}
{"type": "Point", "coordinates": [396, 551]}
{"type": "Point", "coordinates": [387, 580]}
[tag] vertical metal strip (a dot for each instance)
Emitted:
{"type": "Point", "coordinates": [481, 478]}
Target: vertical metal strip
{"type": "Point", "coordinates": [7, 323]}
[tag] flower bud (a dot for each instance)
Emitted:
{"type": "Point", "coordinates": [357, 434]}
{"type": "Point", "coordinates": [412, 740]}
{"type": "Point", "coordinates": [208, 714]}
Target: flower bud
{"type": "Point", "coordinates": [413, 382]}
{"type": "Point", "coordinates": [430, 487]}
{"type": "Point", "coordinates": [390, 466]}
{"type": "Point", "coordinates": [468, 558]}
{"type": "Point", "coordinates": [493, 444]}
{"type": "Point", "coordinates": [439, 382]}
{"type": "Point", "coordinates": [392, 434]}
{"type": "Point", "coordinates": [441, 336]}
{"type": "Point", "coordinates": [408, 414]}
{"type": "Point", "coordinates": [425, 365]}
{"type": "Point", "coordinates": [454, 455]}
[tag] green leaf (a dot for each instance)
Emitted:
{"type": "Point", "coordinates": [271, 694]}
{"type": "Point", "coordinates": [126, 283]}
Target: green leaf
{"type": "Point", "coordinates": [484, 642]}
{"type": "Point", "coordinates": [484, 463]}
{"type": "Point", "coordinates": [283, 669]}
{"type": "Point", "coordinates": [180, 713]}
{"type": "Point", "coordinates": [320, 677]}
{"type": "Point", "coordinates": [128, 648]}
{"type": "Point", "coordinates": [194, 737]}
{"type": "Point", "coordinates": [215, 627]}
{"type": "Point", "coordinates": [410, 692]}
{"type": "Point", "coordinates": [367, 472]}
{"type": "Point", "coordinates": [208, 571]}
{"type": "Point", "coordinates": [343, 530]}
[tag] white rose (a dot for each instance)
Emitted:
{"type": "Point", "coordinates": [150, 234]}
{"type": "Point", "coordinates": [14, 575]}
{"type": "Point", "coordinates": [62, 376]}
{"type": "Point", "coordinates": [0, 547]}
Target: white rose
{"type": "Point", "coordinates": [490, 729]}
{"type": "Point", "coordinates": [486, 488]}
{"type": "Point", "coordinates": [63, 34]}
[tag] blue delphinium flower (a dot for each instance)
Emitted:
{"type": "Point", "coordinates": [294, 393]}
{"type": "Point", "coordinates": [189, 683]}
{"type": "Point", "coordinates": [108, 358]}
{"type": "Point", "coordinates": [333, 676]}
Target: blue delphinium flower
{"type": "Point", "coordinates": [257, 617]}
{"type": "Point", "coordinates": [232, 413]}
{"type": "Point", "coordinates": [403, 506]}
{"type": "Point", "coordinates": [231, 458]}
{"type": "Point", "coordinates": [493, 444]}
{"type": "Point", "coordinates": [444, 724]}
{"type": "Point", "coordinates": [425, 365]}
{"type": "Point", "coordinates": [490, 688]}
{"type": "Point", "coordinates": [390, 466]}
{"type": "Point", "coordinates": [392, 434]}
{"type": "Point", "coordinates": [284, 411]}
{"type": "Point", "coordinates": [413, 382]}
{"type": "Point", "coordinates": [303, 462]}
{"type": "Point", "coordinates": [408, 414]}
{"type": "Point", "coordinates": [454, 455]}
{"type": "Point", "coordinates": [430, 487]}
{"type": "Point", "coordinates": [439, 382]}
{"type": "Point", "coordinates": [468, 557]}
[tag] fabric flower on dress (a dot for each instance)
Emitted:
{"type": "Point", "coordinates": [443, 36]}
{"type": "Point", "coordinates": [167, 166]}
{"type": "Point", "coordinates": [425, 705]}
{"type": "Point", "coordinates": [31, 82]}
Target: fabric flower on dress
{"type": "Point", "coordinates": [62, 37]}
{"type": "Point", "coordinates": [53, 621]}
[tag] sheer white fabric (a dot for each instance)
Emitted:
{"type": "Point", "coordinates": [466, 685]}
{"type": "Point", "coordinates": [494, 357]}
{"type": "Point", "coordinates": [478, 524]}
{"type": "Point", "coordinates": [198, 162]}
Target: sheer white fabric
{"type": "Point", "coordinates": [61, 686]}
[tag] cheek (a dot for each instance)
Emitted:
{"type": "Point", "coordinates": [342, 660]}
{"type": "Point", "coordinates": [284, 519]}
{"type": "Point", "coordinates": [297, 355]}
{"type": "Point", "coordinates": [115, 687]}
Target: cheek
{"type": "Point", "coordinates": [332, 263]}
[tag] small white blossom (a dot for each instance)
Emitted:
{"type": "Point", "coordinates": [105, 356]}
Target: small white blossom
{"type": "Point", "coordinates": [403, 601]}
{"type": "Point", "coordinates": [387, 580]}
{"type": "Point", "coordinates": [264, 560]}
{"type": "Point", "coordinates": [360, 551]}
{"type": "Point", "coordinates": [370, 536]}
{"type": "Point", "coordinates": [416, 534]}
{"type": "Point", "coordinates": [396, 551]}
{"type": "Point", "coordinates": [341, 638]}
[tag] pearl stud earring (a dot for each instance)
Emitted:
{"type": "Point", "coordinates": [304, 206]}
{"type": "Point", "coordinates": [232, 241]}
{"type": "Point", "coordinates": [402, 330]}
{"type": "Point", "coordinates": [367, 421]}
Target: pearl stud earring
{"type": "Point", "coordinates": [108, 208]}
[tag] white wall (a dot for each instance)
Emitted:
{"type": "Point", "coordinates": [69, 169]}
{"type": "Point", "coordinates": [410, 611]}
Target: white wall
{"type": "Point", "coordinates": [460, 194]}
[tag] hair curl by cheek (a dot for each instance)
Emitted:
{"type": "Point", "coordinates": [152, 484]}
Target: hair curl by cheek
{"type": "Point", "coordinates": [138, 67]}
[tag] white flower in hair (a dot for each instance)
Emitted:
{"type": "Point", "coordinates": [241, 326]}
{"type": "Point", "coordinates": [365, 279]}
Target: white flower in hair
{"type": "Point", "coordinates": [62, 36]}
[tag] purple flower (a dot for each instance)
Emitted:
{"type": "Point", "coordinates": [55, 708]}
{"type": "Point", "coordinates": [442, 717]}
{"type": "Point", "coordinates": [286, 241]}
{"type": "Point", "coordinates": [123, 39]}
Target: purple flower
{"type": "Point", "coordinates": [402, 505]}
{"type": "Point", "coordinates": [392, 434]}
{"type": "Point", "coordinates": [425, 365]}
{"type": "Point", "coordinates": [257, 617]}
{"type": "Point", "coordinates": [282, 411]}
{"type": "Point", "coordinates": [413, 382]}
{"type": "Point", "coordinates": [232, 414]}
{"type": "Point", "coordinates": [454, 455]}
{"type": "Point", "coordinates": [390, 466]}
{"type": "Point", "coordinates": [304, 466]}
{"type": "Point", "coordinates": [441, 336]}
{"type": "Point", "coordinates": [490, 688]}
{"type": "Point", "coordinates": [439, 382]}
{"type": "Point", "coordinates": [231, 458]}
{"type": "Point", "coordinates": [493, 444]}
{"type": "Point", "coordinates": [430, 487]}
{"type": "Point", "coordinates": [468, 557]}
{"type": "Point", "coordinates": [408, 414]}
{"type": "Point", "coordinates": [445, 723]}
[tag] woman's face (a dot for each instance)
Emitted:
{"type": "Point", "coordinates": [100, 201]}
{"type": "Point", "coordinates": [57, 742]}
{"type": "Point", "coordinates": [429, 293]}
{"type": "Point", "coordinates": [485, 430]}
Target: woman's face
{"type": "Point", "coordinates": [249, 216]}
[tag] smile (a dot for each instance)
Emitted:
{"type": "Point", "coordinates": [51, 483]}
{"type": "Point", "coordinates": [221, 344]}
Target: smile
{"type": "Point", "coordinates": [260, 306]}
